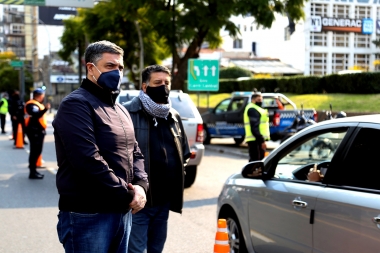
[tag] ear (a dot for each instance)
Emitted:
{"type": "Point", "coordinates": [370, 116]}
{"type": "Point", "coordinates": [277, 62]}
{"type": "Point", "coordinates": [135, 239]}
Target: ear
{"type": "Point", "coordinates": [90, 68]}
{"type": "Point", "coordinates": [143, 87]}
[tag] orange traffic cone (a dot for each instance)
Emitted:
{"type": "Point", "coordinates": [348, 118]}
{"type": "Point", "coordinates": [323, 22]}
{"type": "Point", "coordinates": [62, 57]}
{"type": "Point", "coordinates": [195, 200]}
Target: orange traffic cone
{"type": "Point", "coordinates": [221, 238]}
{"type": "Point", "coordinates": [20, 137]}
{"type": "Point", "coordinates": [39, 161]}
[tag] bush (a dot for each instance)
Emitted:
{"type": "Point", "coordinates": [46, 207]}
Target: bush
{"type": "Point", "coordinates": [234, 72]}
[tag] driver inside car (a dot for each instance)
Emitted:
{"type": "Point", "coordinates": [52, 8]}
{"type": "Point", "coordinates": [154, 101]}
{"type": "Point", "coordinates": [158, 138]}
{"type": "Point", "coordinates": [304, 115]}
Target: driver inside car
{"type": "Point", "coordinates": [315, 175]}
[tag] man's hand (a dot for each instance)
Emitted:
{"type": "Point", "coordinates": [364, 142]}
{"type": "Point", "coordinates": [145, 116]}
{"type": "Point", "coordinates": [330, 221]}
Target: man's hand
{"type": "Point", "coordinates": [48, 106]}
{"type": "Point", "coordinates": [264, 145]}
{"type": "Point", "coordinates": [139, 200]}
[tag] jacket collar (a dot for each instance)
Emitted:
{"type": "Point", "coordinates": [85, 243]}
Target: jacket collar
{"type": "Point", "coordinates": [98, 92]}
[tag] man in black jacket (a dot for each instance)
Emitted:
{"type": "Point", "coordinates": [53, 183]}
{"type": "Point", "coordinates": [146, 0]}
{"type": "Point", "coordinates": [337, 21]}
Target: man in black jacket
{"type": "Point", "coordinates": [101, 178]}
{"type": "Point", "coordinates": [162, 139]}
{"type": "Point", "coordinates": [17, 113]}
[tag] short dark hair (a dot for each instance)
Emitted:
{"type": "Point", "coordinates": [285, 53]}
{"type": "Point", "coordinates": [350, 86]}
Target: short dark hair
{"type": "Point", "coordinates": [255, 95]}
{"type": "Point", "coordinates": [145, 74]}
{"type": "Point", "coordinates": [94, 51]}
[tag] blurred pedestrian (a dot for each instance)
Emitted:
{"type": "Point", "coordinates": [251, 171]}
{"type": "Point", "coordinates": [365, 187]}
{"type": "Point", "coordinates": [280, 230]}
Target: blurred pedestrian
{"type": "Point", "coordinates": [101, 178]}
{"type": "Point", "coordinates": [17, 113]}
{"type": "Point", "coordinates": [163, 142]}
{"type": "Point", "coordinates": [3, 111]}
{"type": "Point", "coordinates": [256, 124]}
{"type": "Point", "coordinates": [35, 125]}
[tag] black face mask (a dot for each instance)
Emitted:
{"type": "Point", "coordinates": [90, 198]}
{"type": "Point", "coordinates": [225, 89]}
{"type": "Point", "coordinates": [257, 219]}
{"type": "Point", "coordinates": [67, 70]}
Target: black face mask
{"type": "Point", "coordinates": [158, 94]}
{"type": "Point", "coordinates": [259, 103]}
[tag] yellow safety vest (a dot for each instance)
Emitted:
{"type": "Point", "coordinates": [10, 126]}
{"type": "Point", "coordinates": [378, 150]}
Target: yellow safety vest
{"type": "Point", "coordinates": [4, 106]}
{"type": "Point", "coordinates": [263, 126]}
{"type": "Point", "coordinates": [42, 120]}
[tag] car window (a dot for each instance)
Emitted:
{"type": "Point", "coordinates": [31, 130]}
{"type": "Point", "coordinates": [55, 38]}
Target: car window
{"type": "Point", "coordinates": [269, 103]}
{"type": "Point", "coordinates": [223, 106]}
{"type": "Point", "coordinates": [236, 104]}
{"type": "Point", "coordinates": [319, 149]}
{"type": "Point", "coordinates": [182, 104]}
{"type": "Point", "coordinates": [361, 166]}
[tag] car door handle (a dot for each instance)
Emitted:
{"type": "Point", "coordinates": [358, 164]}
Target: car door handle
{"type": "Point", "coordinates": [299, 203]}
{"type": "Point", "coordinates": [376, 220]}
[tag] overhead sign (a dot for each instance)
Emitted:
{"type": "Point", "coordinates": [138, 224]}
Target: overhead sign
{"type": "Point", "coordinates": [57, 3]}
{"type": "Point", "coordinates": [65, 78]}
{"type": "Point", "coordinates": [319, 24]}
{"type": "Point", "coordinates": [17, 64]}
{"type": "Point", "coordinates": [55, 15]}
{"type": "Point", "coordinates": [203, 75]}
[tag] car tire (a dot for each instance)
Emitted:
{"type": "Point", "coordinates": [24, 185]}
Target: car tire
{"type": "Point", "coordinates": [239, 141]}
{"type": "Point", "coordinates": [206, 135]}
{"type": "Point", "coordinates": [235, 235]}
{"type": "Point", "coordinates": [191, 173]}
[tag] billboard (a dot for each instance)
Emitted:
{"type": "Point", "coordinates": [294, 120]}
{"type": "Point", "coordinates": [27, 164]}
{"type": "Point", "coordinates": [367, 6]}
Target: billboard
{"type": "Point", "coordinates": [56, 3]}
{"type": "Point", "coordinates": [55, 15]}
{"type": "Point", "coordinates": [318, 24]}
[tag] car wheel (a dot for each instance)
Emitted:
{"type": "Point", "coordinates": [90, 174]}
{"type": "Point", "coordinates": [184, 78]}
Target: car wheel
{"type": "Point", "coordinates": [239, 141]}
{"type": "Point", "coordinates": [191, 173]}
{"type": "Point", "coordinates": [235, 235]}
{"type": "Point", "coordinates": [206, 135]}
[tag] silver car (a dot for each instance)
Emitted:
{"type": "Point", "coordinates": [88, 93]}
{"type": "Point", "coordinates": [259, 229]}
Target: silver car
{"type": "Point", "coordinates": [192, 123]}
{"type": "Point", "coordinates": [274, 206]}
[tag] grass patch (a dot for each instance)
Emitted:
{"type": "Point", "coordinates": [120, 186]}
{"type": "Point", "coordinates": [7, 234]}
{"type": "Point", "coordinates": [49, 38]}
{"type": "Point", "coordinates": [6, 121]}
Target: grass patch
{"type": "Point", "coordinates": [340, 102]}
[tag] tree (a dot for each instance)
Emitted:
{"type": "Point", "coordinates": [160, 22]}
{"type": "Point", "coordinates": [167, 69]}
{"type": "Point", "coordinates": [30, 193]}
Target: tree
{"type": "Point", "coordinates": [181, 26]}
{"type": "Point", "coordinates": [377, 54]}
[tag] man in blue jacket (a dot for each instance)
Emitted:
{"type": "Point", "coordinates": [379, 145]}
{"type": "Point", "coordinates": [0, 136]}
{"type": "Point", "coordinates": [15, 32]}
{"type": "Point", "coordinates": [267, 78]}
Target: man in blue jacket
{"type": "Point", "coordinates": [162, 139]}
{"type": "Point", "coordinates": [101, 178]}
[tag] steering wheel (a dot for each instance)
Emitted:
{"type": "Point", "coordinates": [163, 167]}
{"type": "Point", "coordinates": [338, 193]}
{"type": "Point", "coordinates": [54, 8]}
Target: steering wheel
{"type": "Point", "coordinates": [301, 173]}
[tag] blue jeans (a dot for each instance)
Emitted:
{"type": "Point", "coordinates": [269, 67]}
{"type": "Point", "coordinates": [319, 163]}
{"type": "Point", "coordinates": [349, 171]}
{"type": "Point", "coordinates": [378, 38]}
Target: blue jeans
{"type": "Point", "coordinates": [149, 230]}
{"type": "Point", "coordinates": [94, 232]}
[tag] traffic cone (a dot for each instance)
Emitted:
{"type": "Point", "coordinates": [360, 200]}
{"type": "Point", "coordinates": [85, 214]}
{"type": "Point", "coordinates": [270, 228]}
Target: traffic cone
{"type": "Point", "coordinates": [20, 137]}
{"type": "Point", "coordinates": [39, 161]}
{"type": "Point", "coordinates": [221, 238]}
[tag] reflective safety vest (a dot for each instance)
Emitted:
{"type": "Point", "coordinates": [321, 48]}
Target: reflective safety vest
{"type": "Point", "coordinates": [263, 126]}
{"type": "Point", "coordinates": [42, 119]}
{"type": "Point", "coordinates": [4, 106]}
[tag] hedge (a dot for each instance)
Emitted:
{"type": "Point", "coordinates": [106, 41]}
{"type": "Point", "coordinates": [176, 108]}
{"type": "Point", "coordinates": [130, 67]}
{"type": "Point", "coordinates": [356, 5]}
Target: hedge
{"type": "Point", "coordinates": [358, 83]}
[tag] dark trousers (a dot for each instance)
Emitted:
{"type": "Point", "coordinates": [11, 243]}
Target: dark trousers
{"type": "Point", "coordinates": [36, 141]}
{"type": "Point", "coordinates": [2, 120]}
{"type": "Point", "coordinates": [256, 153]}
{"type": "Point", "coordinates": [15, 129]}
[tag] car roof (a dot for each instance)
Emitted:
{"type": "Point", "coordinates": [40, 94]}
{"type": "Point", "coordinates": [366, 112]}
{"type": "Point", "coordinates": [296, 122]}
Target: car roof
{"type": "Point", "coordinates": [249, 94]}
{"type": "Point", "coordinates": [373, 118]}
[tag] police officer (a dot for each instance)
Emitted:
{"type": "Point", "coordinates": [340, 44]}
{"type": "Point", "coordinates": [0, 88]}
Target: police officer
{"type": "Point", "coordinates": [35, 125]}
{"type": "Point", "coordinates": [17, 112]}
{"type": "Point", "coordinates": [3, 111]}
{"type": "Point", "coordinates": [256, 124]}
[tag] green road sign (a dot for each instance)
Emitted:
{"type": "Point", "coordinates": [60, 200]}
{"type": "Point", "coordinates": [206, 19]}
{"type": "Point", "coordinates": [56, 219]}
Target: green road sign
{"type": "Point", "coordinates": [35, 2]}
{"type": "Point", "coordinates": [17, 64]}
{"type": "Point", "coordinates": [203, 75]}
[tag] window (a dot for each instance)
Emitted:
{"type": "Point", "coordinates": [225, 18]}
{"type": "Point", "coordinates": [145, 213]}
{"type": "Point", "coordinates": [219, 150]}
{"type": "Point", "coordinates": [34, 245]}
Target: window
{"type": "Point", "coordinates": [245, 28]}
{"type": "Point", "coordinates": [16, 41]}
{"type": "Point", "coordinates": [341, 39]}
{"type": "Point", "coordinates": [362, 40]}
{"type": "Point", "coordinates": [341, 11]}
{"type": "Point", "coordinates": [362, 60]}
{"type": "Point", "coordinates": [318, 148]}
{"type": "Point", "coordinates": [17, 29]}
{"type": "Point", "coordinates": [238, 43]}
{"type": "Point", "coordinates": [223, 106]}
{"type": "Point", "coordinates": [318, 63]}
{"type": "Point", "coordinates": [237, 104]}
{"type": "Point", "coordinates": [362, 12]}
{"type": "Point", "coordinates": [318, 39]}
{"type": "Point", "coordinates": [361, 165]}
{"type": "Point", "coordinates": [339, 62]}
{"type": "Point", "coordinates": [318, 9]}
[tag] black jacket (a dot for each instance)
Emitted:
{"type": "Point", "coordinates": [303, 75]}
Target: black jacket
{"type": "Point", "coordinates": [140, 120]}
{"type": "Point", "coordinates": [97, 152]}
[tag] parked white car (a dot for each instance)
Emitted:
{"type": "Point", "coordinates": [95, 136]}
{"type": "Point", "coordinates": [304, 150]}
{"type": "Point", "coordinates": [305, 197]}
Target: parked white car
{"type": "Point", "coordinates": [192, 122]}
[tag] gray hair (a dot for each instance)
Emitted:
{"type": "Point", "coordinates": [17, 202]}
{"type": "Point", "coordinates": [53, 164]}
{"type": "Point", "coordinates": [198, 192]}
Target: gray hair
{"type": "Point", "coordinates": [145, 74]}
{"type": "Point", "coordinates": [94, 51]}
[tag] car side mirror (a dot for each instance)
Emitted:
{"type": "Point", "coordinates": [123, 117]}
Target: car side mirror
{"type": "Point", "coordinates": [253, 170]}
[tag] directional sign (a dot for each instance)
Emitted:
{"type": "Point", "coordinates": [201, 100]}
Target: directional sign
{"type": "Point", "coordinates": [17, 64]}
{"type": "Point", "coordinates": [203, 75]}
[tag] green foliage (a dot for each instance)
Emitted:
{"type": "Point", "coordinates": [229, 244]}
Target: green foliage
{"type": "Point", "coordinates": [180, 30]}
{"type": "Point", "coordinates": [359, 83]}
{"type": "Point", "coordinates": [234, 72]}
